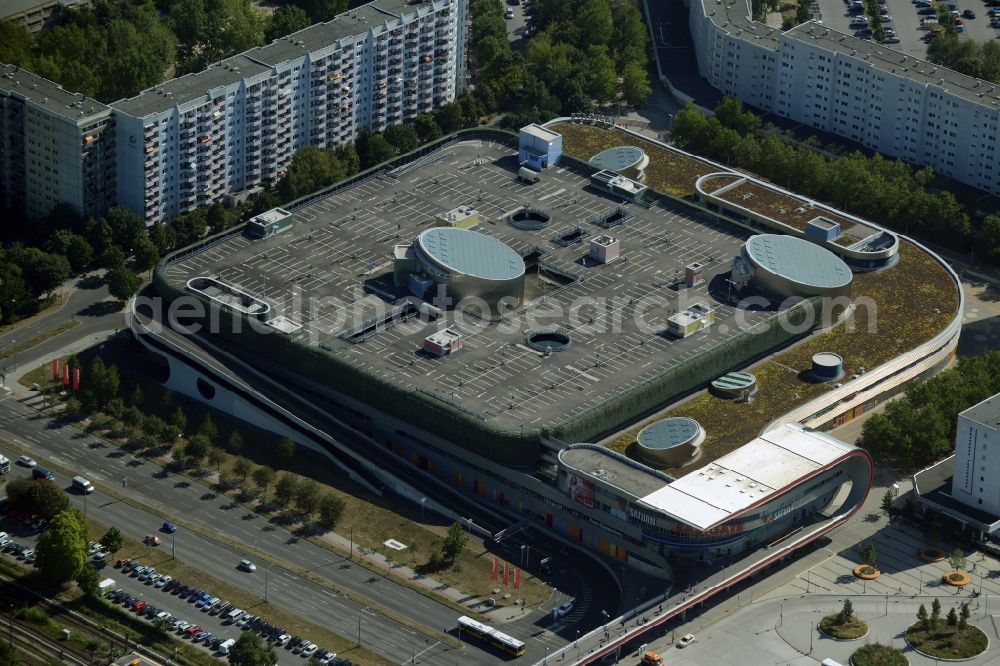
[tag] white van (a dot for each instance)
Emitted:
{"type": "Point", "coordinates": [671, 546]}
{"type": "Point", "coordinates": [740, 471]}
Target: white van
{"type": "Point", "coordinates": [224, 647]}
{"type": "Point", "coordinates": [234, 615]}
{"type": "Point", "coordinates": [84, 486]}
{"type": "Point", "coordinates": [527, 175]}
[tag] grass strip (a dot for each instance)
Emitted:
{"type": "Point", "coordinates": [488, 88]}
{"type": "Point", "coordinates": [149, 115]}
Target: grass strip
{"type": "Point", "coordinates": [52, 332]}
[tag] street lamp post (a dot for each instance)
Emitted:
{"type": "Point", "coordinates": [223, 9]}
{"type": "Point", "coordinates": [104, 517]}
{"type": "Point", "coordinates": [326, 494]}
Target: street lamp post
{"type": "Point", "coordinates": [468, 522]}
{"type": "Point", "coordinates": [522, 554]}
{"type": "Point", "coordinates": [423, 501]}
{"type": "Point", "coordinates": [173, 545]}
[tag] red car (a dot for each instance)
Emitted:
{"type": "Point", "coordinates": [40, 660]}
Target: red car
{"type": "Point", "coordinates": [122, 562]}
{"type": "Point", "coordinates": [151, 540]}
{"type": "Point", "coordinates": [139, 605]}
{"type": "Point", "coordinates": [192, 630]}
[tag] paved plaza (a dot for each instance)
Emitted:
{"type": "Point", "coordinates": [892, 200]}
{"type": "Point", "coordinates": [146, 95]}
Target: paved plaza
{"type": "Point", "coordinates": [778, 615]}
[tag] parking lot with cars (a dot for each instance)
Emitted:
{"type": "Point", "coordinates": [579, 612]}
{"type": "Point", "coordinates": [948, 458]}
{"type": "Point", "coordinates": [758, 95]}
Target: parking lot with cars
{"type": "Point", "coordinates": [192, 613]}
{"type": "Point", "coordinates": [909, 36]}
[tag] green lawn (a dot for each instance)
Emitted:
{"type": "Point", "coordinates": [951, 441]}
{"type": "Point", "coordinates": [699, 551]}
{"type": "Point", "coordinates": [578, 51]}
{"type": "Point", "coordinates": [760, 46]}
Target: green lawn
{"type": "Point", "coordinates": [948, 642]}
{"type": "Point", "coordinates": [854, 628]}
{"type": "Point", "coordinates": [876, 654]}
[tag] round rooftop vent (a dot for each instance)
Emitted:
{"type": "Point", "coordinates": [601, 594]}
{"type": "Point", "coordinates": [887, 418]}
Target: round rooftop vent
{"type": "Point", "coordinates": [827, 366]}
{"type": "Point", "coordinates": [670, 442]}
{"type": "Point", "coordinates": [548, 340]}
{"type": "Point", "coordinates": [530, 219]}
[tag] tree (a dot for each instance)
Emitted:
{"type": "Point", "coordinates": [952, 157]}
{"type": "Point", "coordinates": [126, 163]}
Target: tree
{"type": "Point", "coordinates": [15, 43]}
{"type": "Point", "coordinates": [935, 614]}
{"type": "Point", "coordinates": [427, 129]}
{"type": "Point", "coordinates": [207, 428]}
{"type": "Point", "coordinates": [601, 76]}
{"type": "Point", "coordinates": [402, 137]}
{"type": "Point", "coordinates": [263, 477]}
{"type": "Point", "coordinates": [868, 554]}
{"type": "Point", "coordinates": [455, 542]}
{"type": "Point", "coordinates": [8, 655]}
{"type": "Point", "coordinates": [593, 20]}
{"type": "Point", "coordinates": [113, 540]}
{"type": "Point", "coordinates": [952, 617]}
{"type": "Point", "coordinates": [286, 450]}
{"type": "Point", "coordinates": [957, 559]}
{"type": "Point", "coordinates": [111, 258]}
{"type": "Point", "coordinates": [62, 548]}
{"type": "Point", "coordinates": [629, 32]}
{"type": "Point", "coordinates": [37, 496]}
{"type": "Point", "coordinates": [146, 255]}
{"type": "Point", "coordinates": [635, 84]}
{"type": "Point", "coordinates": [311, 169]}
{"type": "Point", "coordinates": [242, 468]}
{"type": "Point", "coordinates": [989, 235]}
{"type": "Point", "coordinates": [210, 30]}
{"type": "Point", "coordinates": [127, 228]}
{"type": "Point", "coordinates": [307, 497]}
{"type": "Point", "coordinates": [133, 417]}
{"type": "Point", "coordinates": [322, 10]}
{"type": "Point", "coordinates": [88, 579]}
{"type": "Point", "coordinates": [138, 400]}
{"type": "Point", "coordinates": [846, 612]}
{"type": "Point", "coordinates": [286, 20]}
{"type": "Point", "coordinates": [888, 503]}
{"type": "Point", "coordinates": [373, 148]}
{"type": "Point", "coordinates": [251, 650]}
{"type": "Point", "coordinates": [449, 117]}
{"type": "Point", "coordinates": [286, 489]}
{"type": "Point", "coordinates": [79, 252]}
{"type": "Point", "coordinates": [963, 616]}
{"type": "Point", "coordinates": [235, 442]}
{"type": "Point", "coordinates": [154, 428]}
{"type": "Point", "coordinates": [179, 419]}
{"type": "Point", "coordinates": [196, 449]}
{"type": "Point", "coordinates": [122, 283]}
{"type": "Point", "coordinates": [925, 622]}
{"type": "Point", "coordinates": [215, 458]}
{"type": "Point", "coordinates": [43, 271]}
{"type": "Point", "coordinates": [102, 385]}
{"type": "Point", "coordinates": [331, 510]}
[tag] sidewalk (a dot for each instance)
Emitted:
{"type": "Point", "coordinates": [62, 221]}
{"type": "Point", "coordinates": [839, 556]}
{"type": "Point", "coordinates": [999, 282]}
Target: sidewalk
{"type": "Point", "coordinates": [375, 561]}
{"type": "Point", "coordinates": [11, 383]}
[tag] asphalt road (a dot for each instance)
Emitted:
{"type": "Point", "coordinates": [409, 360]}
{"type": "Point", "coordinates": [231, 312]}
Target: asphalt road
{"type": "Point", "coordinates": [175, 495]}
{"type": "Point", "coordinates": [87, 301]}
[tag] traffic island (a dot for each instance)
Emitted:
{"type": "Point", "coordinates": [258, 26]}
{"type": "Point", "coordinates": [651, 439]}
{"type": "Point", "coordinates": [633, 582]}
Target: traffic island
{"type": "Point", "coordinates": [931, 554]}
{"type": "Point", "coordinates": [866, 572]}
{"type": "Point", "coordinates": [835, 627]}
{"type": "Point", "coordinates": [956, 578]}
{"type": "Point", "coordinates": [875, 654]}
{"type": "Point", "coordinates": [945, 641]}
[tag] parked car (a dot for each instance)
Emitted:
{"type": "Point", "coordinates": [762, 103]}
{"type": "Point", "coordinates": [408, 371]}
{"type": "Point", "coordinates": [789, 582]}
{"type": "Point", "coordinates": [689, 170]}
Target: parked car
{"type": "Point", "coordinates": [139, 605]}
{"type": "Point", "coordinates": [969, 14]}
{"type": "Point", "coordinates": [891, 40]}
{"type": "Point", "coordinates": [685, 640]}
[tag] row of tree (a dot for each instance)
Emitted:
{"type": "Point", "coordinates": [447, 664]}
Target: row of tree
{"type": "Point", "coordinates": [890, 191]}
{"type": "Point", "coordinates": [586, 52]}
{"type": "Point", "coordinates": [919, 427]}
{"type": "Point", "coordinates": [113, 50]}
{"type": "Point", "coordinates": [981, 60]}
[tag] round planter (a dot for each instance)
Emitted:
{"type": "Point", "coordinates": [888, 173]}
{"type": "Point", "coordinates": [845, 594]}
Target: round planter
{"type": "Point", "coordinates": [958, 582]}
{"type": "Point", "coordinates": [858, 573]}
{"type": "Point", "coordinates": [931, 554]}
{"type": "Point", "coordinates": [946, 659]}
{"type": "Point", "coordinates": [850, 660]}
{"type": "Point", "coordinates": [843, 640]}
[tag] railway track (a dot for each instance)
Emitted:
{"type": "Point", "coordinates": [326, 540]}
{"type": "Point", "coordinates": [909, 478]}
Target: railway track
{"type": "Point", "coordinates": [37, 647]}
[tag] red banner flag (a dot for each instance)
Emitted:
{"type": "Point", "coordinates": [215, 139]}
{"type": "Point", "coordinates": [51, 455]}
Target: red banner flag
{"type": "Point", "coordinates": [76, 379]}
{"type": "Point", "coordinates": [55, 370]}
{"type": "Point", "coordinates": [506, 573]}
{"type": "Point", "coordinates": [66, 375]}
{"type": "Point", "coordinates": [517, 579]}
{"type": "Point", "coordinates": [496, 565]}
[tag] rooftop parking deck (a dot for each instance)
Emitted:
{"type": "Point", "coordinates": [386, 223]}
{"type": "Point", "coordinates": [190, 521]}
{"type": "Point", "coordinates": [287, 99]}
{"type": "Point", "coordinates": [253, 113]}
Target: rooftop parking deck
{"type": "Point", "coordinates": [333, 271]}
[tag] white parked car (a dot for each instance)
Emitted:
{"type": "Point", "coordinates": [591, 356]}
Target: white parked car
{"type": "Point", "coordinates": [309, 650]}
{"type": "Point", "coordinates": [162, 580]}
{"type": "Point", "coordinates": [685, 641]}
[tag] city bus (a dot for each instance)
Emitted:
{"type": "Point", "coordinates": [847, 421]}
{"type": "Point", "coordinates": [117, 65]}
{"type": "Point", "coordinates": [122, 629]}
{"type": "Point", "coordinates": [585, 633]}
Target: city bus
{"type": "Point", "coordinates": [488, 634]}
